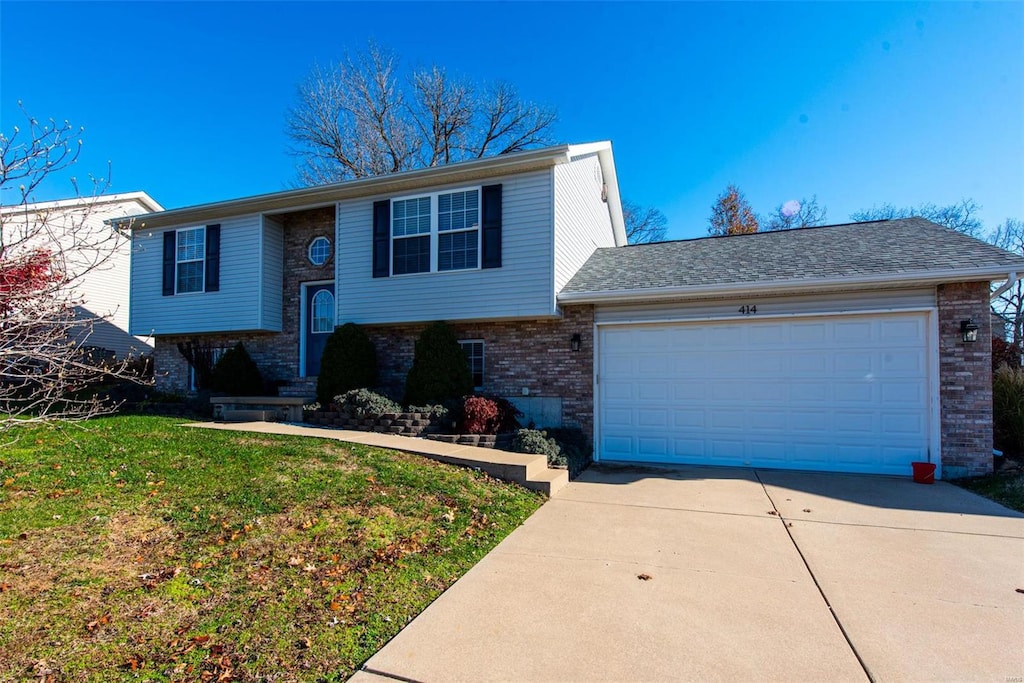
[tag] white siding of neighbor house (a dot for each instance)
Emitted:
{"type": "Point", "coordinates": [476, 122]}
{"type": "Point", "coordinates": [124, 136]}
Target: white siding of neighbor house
{"type": "Point", "coordinates": [582, 222]}
{"type": "Point", "coordinates": [273, 272]}
{"type": "Point", "coordinates": [521, 288]}
{"type": "Point", "coordinates": [101, 288]}
{"type": "Point", "coordinates": [236, 307]}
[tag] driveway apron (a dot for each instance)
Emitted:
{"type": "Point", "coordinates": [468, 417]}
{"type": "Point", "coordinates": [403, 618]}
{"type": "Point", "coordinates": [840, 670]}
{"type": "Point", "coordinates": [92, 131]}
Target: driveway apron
{"type": "Point", "coordinates": [633, 575]}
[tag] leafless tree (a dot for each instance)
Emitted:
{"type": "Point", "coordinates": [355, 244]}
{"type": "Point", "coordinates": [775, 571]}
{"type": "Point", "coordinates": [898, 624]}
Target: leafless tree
{"type": "Point", "coordinates": [731, 214]}
{"type": "Point", "coordinates": [804, 213]}
{"type": "Point", "coordinates": [45, 252]}
{"type": "Point", "coordinates": [1009, 305]}
{"type": "Point", "coordinates": [362, 117]}
{"type": "Point", "coordinates": [961, 216]}
{"type": "Point", "coordinates": [644, 224]}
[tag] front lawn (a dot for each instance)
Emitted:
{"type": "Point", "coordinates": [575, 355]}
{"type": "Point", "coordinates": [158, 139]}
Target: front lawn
{"type": "Point", "coordinates": [137, 549]}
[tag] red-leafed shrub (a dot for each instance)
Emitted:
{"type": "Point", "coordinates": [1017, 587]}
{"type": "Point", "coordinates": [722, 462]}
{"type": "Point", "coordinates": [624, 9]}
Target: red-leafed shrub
{"type": "Point", "coordinates": [479, 416]}
{"type": "Point", "coordinates": [1005, 353]}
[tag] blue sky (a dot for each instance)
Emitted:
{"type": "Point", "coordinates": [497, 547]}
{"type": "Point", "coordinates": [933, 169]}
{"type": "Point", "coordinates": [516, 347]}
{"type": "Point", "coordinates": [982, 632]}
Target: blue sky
{"type": "Point", "coordinates": [858, 103]}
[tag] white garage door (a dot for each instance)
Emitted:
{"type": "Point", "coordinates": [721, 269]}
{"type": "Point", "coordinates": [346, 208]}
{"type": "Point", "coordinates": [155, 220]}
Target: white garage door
{"type": "Point", "coordinates": [837, 393]}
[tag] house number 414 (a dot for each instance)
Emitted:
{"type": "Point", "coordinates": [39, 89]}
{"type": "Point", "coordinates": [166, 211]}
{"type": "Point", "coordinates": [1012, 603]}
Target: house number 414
{"type": "Point", "coordinates": [748, 310]}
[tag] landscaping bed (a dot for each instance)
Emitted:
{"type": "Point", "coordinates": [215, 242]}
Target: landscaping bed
{"type": "Point", "coordinates": [134, 549]}
{"type": "Point", "coordinates": [1005, 486]}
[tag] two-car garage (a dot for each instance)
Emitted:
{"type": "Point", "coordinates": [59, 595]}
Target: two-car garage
{"type": "Point", "coordinates": [839, 391]}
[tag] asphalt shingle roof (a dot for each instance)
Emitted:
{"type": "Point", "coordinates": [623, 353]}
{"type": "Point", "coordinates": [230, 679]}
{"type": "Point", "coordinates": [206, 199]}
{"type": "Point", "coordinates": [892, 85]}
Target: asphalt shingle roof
{"type": "Point", "coordinates": [892, 247]}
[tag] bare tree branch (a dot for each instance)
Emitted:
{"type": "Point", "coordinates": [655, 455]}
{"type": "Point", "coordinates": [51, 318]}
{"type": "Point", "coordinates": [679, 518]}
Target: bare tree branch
{"type": "Point", "coordinates": [46, 252]}
{"type": "Point", "coordinates": [805, 213]}
{"type": "Point", "coordinates": [961, 216]}
{"type": "Point", "coordinates": [361, 118]}
{"type": "Point", "coordinates": [643, 224]}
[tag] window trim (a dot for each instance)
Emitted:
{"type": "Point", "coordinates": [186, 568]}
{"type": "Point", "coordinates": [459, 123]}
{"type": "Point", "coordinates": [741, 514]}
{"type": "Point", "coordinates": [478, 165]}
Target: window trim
{"type": "Point", "coordinates": [434, 235]}
{"type": "Point", "coordinates": [309, 250]}
{"type": "Point", "coordinates": [483, 360]}
{"type": "Point", "coordinates": [178, 262]}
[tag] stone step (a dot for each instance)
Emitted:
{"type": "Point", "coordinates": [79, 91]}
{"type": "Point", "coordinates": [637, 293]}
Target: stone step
{"type": "Point", "coordinates": [550, 481]}
{"type": "Point", "coordinates": [250, 416]}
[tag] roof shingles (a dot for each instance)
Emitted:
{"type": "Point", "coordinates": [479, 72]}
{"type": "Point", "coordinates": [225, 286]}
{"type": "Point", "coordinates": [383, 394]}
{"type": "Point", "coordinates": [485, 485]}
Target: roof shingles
{"type": "Point", "coordinates": [879, 248]}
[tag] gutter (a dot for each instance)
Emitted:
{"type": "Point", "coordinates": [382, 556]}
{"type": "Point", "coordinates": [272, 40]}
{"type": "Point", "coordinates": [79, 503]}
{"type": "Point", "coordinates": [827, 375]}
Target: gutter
{"type": "Point", "coordinates": [1011, 280]}
{"type": "Point", "coordinates": [930, 277]}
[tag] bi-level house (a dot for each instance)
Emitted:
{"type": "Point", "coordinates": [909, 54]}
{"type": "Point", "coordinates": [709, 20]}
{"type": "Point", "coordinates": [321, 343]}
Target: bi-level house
{"type": "Point", "coordinates": [855, 348]}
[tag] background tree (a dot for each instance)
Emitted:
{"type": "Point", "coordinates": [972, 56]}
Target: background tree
{"type": "Point", "coordinates": [805, 213]}
{"type": "Point", "coordinates": [363, 116]}
{"type": "Point", "coordinates": [1009, 305]}
{"type": "Point", "coordinates": [731, 214]}
{"type": "Point", "coordinates": [44, 255]}
{"type": "Point", "coordinates": [644, 224]}
{"type": "Point", "coordinates": [961, 216]}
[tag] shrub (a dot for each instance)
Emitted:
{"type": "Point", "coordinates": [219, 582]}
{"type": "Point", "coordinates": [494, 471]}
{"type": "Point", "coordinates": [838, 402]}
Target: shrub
{"type": "Point", "coordinates": [349, 362]}
{"type": "Point", "coordinates": [440, 370]}
{"type": "Point", "coordinates": [508, 415]}
{"type": "Point", "coordinates": [434, 412]}
{"type": "Point", "coordinates": [479, 415]}
{"type": "Point", "coordinates": [538, 443]}
{"type": "Point", "coordinates": [236, 374]}
{"type": "Point", "coordinates": [1008, 410]}
{"type": "Point", "coordinates": [363, 403]}
{"type": "Point", "coordinates": [575, 447]}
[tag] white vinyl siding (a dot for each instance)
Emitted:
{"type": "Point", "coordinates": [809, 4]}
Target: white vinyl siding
{"type": "Point", "coordinates": [521, 287]}
{"type": "Point", "coordinates": [582, 222]}
{"type": "Point", "coordinates": [236, 307]}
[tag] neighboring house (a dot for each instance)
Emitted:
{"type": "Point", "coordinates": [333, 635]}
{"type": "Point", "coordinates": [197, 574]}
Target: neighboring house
{"type": "Point", "coordinates": [836, 348]}
{"type": "Point", "coordinates": [100, 264]}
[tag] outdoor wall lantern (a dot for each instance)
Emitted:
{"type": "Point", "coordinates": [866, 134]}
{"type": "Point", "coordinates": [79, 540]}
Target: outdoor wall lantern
{"type": "Point", "coordinates": [576, 342]}
{"type": "Point", "coordinates": [969, 330]}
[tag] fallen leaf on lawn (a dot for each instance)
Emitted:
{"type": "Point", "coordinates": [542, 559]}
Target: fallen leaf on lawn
{"type": "Point", "coordinates": [304, 643]}
{"type": "Point", "coordinates": [295, 561]}
{"type": "Point", "coordinates": [200, 639]}
{"type": "Point", "coordinates": [309, 568]}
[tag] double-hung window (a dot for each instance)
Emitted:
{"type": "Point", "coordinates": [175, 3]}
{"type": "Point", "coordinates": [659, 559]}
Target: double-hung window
{"type": "Point", "coordinates": [436, 232]}
{"type": "Point", "coordinates": [190, 260]}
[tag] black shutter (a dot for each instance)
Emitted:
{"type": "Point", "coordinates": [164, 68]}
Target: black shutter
{"type": "Point", "coordinates": [170, 246]}
{"type": "Point", "coordinates": [382, 238]}
{"type": "Point", "coordinates": [212, 258]}
{"type": "Point", "coordinates": [491, 224]}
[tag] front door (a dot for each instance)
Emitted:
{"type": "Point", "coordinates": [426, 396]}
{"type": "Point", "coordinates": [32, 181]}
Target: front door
{"type": "Point", "coordinates": [319, 325]}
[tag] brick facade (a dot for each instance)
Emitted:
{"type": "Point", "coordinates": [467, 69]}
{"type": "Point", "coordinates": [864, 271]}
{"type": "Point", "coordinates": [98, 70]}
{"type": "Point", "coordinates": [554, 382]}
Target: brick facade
{"type": "Point", "coordinates": [965, 380]}
{"type": "Point", "coordinates": [534, 355]}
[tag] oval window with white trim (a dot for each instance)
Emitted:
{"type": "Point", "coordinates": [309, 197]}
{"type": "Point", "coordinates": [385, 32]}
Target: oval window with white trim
{"type": "Point", "coordinates": [319, 251]}
{"type": "Point", "coordinates": [323, 312]}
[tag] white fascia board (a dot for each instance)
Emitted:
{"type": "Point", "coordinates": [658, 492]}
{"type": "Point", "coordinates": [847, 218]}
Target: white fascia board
{"type": "Point", "coordinates": [932, 277]}
{"type": "Point", "coordinates": [142, 198]}
{"type": "Point", "coordinates": [326, 195]}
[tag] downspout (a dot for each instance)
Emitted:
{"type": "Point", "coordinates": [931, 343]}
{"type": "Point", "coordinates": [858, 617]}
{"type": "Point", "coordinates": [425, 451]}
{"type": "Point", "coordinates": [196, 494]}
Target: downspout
{"type": "Point", "coordinates": [1011, 280]}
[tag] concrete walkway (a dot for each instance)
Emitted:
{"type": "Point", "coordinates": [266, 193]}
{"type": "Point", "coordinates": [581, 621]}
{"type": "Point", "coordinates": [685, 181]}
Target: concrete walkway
{"type": "Point", "coordinates": [712, 574]}
{"type": "Point", "coordinates": [530, 471]}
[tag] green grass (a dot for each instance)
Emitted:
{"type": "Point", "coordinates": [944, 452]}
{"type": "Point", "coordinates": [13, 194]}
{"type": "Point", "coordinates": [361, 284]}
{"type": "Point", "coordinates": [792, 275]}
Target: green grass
{"type": "Point", "coordinates": [137, 549]}
{"type": "Point", "coordinates": [1004, 488]}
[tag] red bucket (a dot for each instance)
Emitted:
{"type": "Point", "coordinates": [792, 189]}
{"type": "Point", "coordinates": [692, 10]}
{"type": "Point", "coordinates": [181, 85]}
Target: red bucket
{"type": "Point", "coordinates": [924, 472]}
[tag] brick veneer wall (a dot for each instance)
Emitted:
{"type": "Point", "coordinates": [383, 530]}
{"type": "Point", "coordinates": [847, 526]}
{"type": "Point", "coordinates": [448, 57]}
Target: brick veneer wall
{"type": "Point", "coordinates": [534, 354]}
{"type": "Point", "coordinates": [277, 355]}
{"type": "Point", "coordinates": [965, 380]}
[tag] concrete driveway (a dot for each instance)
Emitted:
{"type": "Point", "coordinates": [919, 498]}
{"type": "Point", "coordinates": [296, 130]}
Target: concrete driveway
{"type": "Point", "coordinates": [715, 574]}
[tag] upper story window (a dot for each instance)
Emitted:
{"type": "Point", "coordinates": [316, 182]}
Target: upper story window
{"type": "Point", "coordinates": [319, 251]}
{"type": "Point", "coordinates": [435, 232]}
{"type": "Point", "coordinates": [190, 260]}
